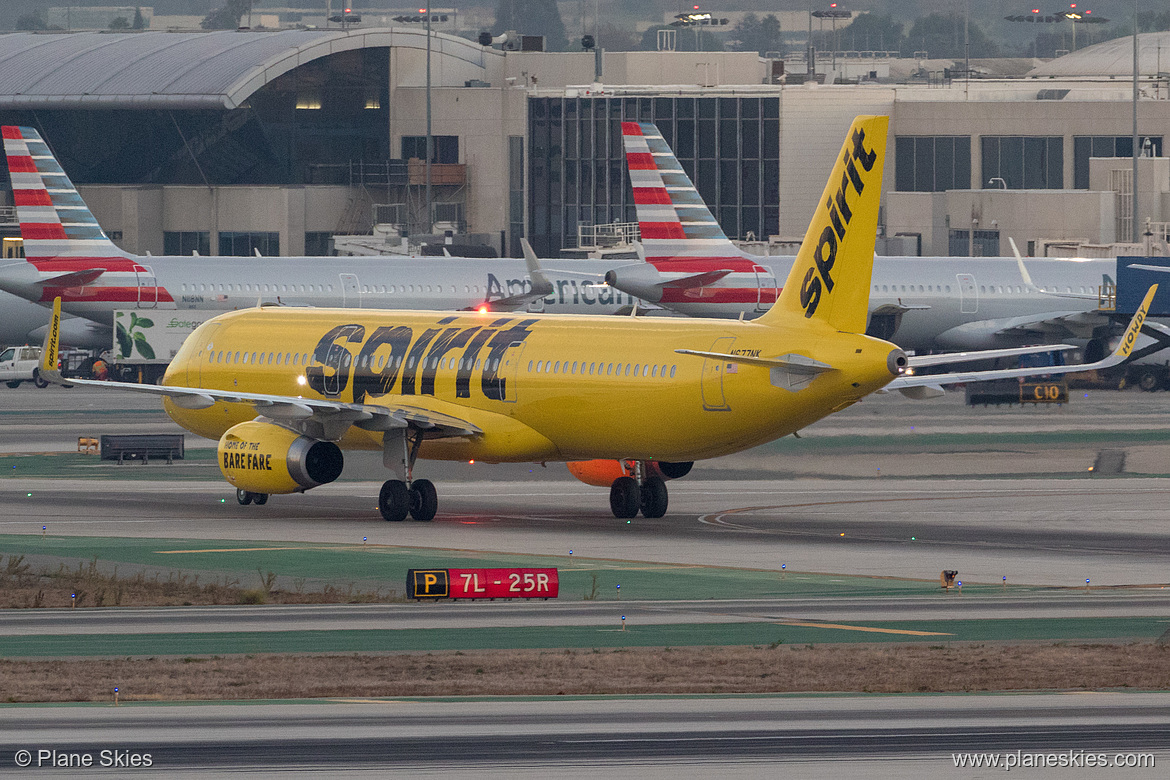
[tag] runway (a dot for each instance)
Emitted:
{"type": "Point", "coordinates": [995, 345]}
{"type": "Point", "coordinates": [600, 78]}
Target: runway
{"type": "Point", "coordinates": [751, 736]}
{"type": "Point", "coordinates": [1035, 531]}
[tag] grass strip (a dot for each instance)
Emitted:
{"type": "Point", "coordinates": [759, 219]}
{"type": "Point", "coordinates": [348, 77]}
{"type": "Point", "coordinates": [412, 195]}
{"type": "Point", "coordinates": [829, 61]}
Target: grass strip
{"type": "Point", "coordinates": [898, 668]}
{"type": "Point", "coordinates": [382, 568]}
{"type": "Point", "coordinates": [579, 637]}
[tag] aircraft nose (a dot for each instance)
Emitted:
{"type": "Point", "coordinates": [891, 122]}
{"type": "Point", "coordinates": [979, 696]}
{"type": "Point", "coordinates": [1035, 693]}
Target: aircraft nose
{"type": "Point", "coordinates": [897, 362]}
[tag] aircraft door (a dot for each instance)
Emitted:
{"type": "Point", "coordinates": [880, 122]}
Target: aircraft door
{"type": "Point", "coordinates": [766, 293]}
{"type": "Point", "coordinates": [968, 294]}
{"type": "Point", "coordinates": [147, 287]}
{"type": "Point", "coordinates": [712, 381]}
{"type": "Point", "coordinates": [351, 291]}
{"type": "Point", "coordinates": [509, 372]}
{"type": "Point", "coordinates": [204, 358]}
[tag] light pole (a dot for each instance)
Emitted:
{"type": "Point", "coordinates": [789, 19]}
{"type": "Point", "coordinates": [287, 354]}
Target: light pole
{"type": "Point", "coordinates": [834, 14]}
{"type": "Point", "coordinates": [1133, 209]}
{"type": "Point", "coordinates": [430, 139]}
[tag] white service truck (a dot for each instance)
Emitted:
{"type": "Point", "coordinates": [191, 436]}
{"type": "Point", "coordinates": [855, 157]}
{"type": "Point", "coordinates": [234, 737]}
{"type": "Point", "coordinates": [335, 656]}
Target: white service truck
{"type": "Point", "coordinates": [144, 343]}
{"type": "Point", "coordinates": [21, 364]}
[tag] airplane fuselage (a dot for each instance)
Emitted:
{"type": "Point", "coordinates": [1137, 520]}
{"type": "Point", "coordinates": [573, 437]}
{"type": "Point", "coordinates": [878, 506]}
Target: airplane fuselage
{"type": "Point", "coordinates": [541, 387]}
{"type": "Point", "coordinates": [227, 283]}
{"type": "Point", "coordinates": [938, 302]}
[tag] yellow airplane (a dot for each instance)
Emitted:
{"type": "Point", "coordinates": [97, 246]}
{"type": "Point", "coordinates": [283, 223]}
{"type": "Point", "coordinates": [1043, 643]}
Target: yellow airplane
{"type": "Point", "coordinates": [285, 390]}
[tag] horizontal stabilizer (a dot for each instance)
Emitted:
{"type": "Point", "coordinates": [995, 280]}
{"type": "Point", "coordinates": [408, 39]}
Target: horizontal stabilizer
{"type": "Point", "coordinates": [695, 280]}
{"type": "Point", "coordinates": [74, 279]}
{"type": "Point", "coordinates": [797, 364]}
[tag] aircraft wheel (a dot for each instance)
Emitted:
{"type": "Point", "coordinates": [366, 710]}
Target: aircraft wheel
{"type": "Point", "coordinates": [259, 499]}
{"type": "Point", "coordinates": [1149, 381]}
{"type": "Point", "coordinates": [624, 498]}
{"type": "Point", "coordinates": [394, 501]}
{"type": "Point", "coordinates": [424, 500]}
{"type": "Point", "coordinates": [654, 497]}
{"type": "Point", "coordinates": [243, 496]}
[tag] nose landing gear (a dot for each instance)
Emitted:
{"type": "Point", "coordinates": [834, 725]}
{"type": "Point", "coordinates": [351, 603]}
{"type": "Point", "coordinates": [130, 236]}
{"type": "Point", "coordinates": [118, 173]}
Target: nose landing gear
{"type": "Point", "coordinates": [245, 497]}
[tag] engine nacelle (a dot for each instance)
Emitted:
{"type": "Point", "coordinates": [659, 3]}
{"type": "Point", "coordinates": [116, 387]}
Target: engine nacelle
{"type": "Point", "coordinates": [602, 473]}
{"type": "Point", "coordinates": [264, 458]}
{"type": "Point", "coordinates": [640, 280]}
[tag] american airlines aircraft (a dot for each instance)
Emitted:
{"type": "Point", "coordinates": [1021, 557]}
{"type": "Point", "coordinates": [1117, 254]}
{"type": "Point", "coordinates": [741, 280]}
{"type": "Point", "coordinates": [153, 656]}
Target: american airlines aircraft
{"type": "Point", "coordinates": [69, 256]}
{"type": "Point", "coordinates": [920, 303]}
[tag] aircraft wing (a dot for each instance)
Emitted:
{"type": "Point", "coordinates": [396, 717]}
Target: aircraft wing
{"type": "Point", "coordinates": [1119, 355]}
{"type": "Point", "coordinates": [541, 286]}
{"type": "Point", "coordinates": [1027, 277]}
{"type": "Point", "coordinates": [919, 361]}
{"type": "Point", "coordinates": [1050, 325]}
{"type": "Point", "coordinates": [321, 419]}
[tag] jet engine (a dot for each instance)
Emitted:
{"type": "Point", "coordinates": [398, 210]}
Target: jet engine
{"type": "Point", "coordinates": [641, 280]}
{"type": "Point", "coordinates": [260, 457]}
{"type": "Point", "coordinates": [602, 473]}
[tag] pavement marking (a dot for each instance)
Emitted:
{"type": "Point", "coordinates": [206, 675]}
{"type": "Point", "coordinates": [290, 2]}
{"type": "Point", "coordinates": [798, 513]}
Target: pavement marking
{"type": "Point", "coordinates": [864, 628]}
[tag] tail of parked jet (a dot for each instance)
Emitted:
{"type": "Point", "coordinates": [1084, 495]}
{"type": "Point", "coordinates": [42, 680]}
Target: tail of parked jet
{"type": "Point", "coordinates": [674, 220]}
{"type": "Point", "coordinates": [843, 225]}
{"type": "Point", "coordinates": [54, 221]}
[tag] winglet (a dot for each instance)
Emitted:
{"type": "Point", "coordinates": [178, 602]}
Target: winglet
{"type": "Point", "coordinates": [52, 345]}
{"type": "Point", "coordinates": [1125, 346]}
{"type": "Point", "coordinates": [541, 286]}
{"type": "Point", "coordinates": [1020, 264]}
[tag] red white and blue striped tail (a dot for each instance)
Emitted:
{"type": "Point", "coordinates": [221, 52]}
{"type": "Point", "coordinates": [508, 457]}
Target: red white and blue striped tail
{"type": "Point", "coordinates": [674, 220]}
{"type": "Point", "coordinates": [54, 221]}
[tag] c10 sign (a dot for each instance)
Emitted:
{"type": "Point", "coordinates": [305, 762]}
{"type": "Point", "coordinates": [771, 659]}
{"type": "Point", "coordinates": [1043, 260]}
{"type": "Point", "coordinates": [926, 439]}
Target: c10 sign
{"type": "Point", "coordinates": [482, 584]}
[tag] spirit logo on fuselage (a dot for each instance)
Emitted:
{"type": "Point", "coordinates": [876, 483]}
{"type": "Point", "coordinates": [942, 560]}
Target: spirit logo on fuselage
{"type": "Point", "coordinates": [839, 217]}
{"type": "Point", "coordinates": [393, 355]}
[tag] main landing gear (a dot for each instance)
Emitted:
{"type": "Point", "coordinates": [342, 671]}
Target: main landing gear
{"type": "Point", "coordinates": [627, 495]}
{"type": "Point", "coordinates": [405, 496]}
{"type": "Point", "coordinates": [246, 497]}
{"type": "Point", "coordinates": [396, 500]}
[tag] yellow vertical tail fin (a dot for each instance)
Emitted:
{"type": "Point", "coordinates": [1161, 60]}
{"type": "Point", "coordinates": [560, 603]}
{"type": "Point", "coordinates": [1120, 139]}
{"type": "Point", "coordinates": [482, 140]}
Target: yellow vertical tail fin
{"type": "Point", "coordinates": [831, 275]}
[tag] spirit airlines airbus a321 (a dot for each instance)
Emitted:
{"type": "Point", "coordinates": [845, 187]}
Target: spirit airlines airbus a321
{"type": "Point", "coordinates": [285, 390]}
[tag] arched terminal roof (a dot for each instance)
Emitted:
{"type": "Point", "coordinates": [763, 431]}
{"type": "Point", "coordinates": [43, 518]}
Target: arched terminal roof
{"type": "Point", "coordinates": [1112, 58]}
{"type": "Point", "coordinates": [190, 70]}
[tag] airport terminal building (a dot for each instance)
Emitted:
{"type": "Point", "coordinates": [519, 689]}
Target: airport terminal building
{"type": "Point", "coordinates": [275, 141]}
